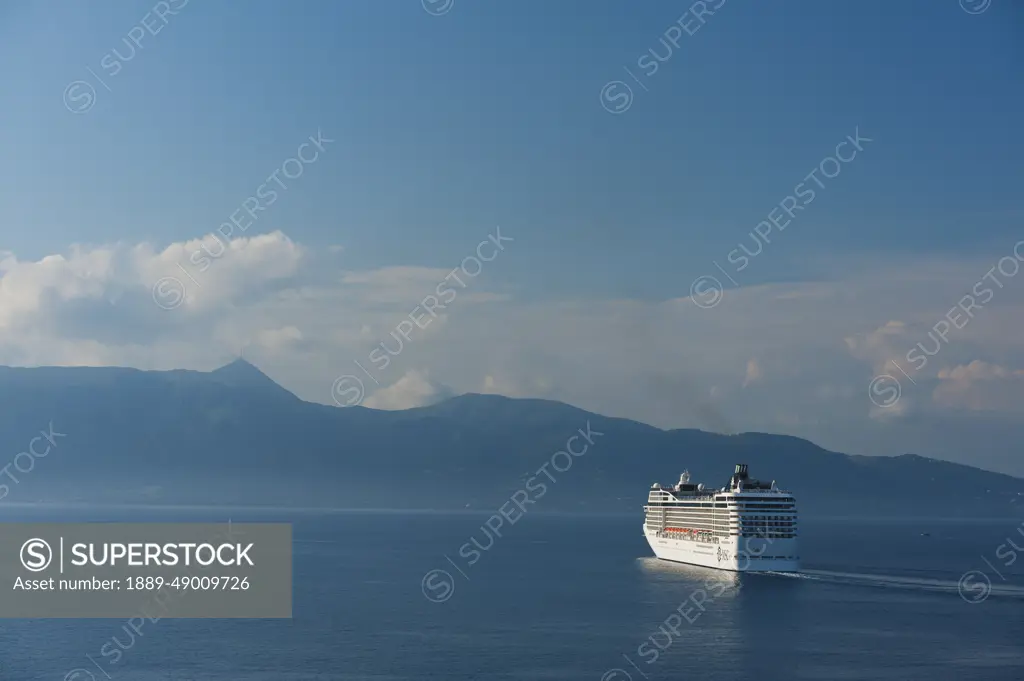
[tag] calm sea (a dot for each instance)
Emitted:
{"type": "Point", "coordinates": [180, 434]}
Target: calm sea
{"type": "Point", "coordinates": [573, 597]}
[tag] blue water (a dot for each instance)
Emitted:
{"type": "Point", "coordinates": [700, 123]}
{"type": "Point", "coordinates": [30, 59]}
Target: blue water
{"type": "Point", "coordinates": [574, 597]}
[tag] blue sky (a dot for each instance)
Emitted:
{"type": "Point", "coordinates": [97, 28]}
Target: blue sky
{"type": "Point", "coordinates": [490, 114]}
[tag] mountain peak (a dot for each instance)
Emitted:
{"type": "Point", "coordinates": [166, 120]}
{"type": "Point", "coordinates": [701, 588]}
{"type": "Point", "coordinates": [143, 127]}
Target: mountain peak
{"type": "Point", "coordinates": [238, 365]}
{"type": "Point", "coordinates": [243, 374]}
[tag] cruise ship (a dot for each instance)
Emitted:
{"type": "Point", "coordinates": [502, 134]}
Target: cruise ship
{"type": "Point", "coordinates": [748, 526]}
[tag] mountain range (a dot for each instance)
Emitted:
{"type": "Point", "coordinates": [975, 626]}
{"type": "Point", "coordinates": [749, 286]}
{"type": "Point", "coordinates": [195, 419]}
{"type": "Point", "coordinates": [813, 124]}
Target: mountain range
{"type": "Point", "coordinates": [234, 437]}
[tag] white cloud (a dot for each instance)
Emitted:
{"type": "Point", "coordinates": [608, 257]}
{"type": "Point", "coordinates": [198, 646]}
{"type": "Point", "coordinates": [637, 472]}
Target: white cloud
{"type": "Point", "coordinates": [35, 293]}
{"type": "Point", "coordinates": [753, 372]}
{"type": "Point", "coordinates": [414, 389]}
{"type": "Point", "coordinates": [981, 386]}
{"type": "Point", "coordinates": [26, 287]}
{"type": "Point", "coordinates": [881, 346]}
{"type": "Point", "coordinates": [214, 273]}
{"type": "Point", "coordinates": [977, 371]}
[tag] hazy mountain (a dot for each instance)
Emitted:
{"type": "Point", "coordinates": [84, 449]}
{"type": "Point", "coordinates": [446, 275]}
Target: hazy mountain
{"type": "Point", "coordinates": [234, 436]}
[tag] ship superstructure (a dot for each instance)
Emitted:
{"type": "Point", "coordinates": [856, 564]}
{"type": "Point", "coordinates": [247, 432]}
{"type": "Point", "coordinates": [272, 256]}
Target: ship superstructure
{"type": "Point", "coordinates": [748, 525]}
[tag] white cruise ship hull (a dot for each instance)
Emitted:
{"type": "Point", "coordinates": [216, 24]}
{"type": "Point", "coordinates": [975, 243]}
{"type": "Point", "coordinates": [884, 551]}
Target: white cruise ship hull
{"type": "Point", "coordinates": [736, 554]}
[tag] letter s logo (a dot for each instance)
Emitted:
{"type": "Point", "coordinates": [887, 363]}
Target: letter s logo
{"type": "Point", "coordinates": [36, 555]}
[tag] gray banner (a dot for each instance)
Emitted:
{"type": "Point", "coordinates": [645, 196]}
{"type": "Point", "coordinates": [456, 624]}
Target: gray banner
{"type": "Point", "coordinates": [151, 570]}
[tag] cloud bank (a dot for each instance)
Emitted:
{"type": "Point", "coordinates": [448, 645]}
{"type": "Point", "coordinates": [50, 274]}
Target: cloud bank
{"type": "Point", "coordinates": [794, 358]}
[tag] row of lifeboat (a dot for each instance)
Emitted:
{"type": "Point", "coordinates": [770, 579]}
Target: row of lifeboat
{"type": "Point", "coordinates": [688, 533]}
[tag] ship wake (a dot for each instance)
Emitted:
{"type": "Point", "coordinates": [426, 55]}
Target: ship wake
{"type": "Point", "coordinates": [972, 592]}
